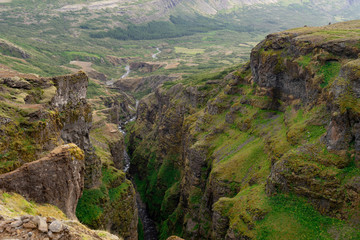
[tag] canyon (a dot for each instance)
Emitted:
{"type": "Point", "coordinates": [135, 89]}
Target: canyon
{"type": "Point", "coordinates": [262, 150]}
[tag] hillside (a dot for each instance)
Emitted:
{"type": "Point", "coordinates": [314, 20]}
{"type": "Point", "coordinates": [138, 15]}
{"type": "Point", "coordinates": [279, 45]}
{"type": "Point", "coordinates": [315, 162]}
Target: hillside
{"type": "Point", "coordinates": [270, 150]}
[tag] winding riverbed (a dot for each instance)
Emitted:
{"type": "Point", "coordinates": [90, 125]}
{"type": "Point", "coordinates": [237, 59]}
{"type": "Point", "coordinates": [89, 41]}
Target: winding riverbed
{"type": "Point", "coordinates": [154, 56]}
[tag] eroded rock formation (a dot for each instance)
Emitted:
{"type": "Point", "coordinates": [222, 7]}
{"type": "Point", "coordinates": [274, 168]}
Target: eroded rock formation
{"type": "Point", "coordinates": [56, 179]}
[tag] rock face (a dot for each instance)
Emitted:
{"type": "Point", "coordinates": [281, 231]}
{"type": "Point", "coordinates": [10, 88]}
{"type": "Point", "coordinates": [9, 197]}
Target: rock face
{"type": "Point", "coordinates": [217, 155]}
{"type": "Point", "coordinates": [57, 179]}
{"type": "Point", "coordinates": [46, 113]}
{"type": "Point", "coordinates": [77, 120]}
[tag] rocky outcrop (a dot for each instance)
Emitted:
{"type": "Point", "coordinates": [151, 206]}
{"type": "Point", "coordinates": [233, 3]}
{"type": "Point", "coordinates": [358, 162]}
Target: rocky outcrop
{"type": "Point", "coordinates": [70, 100]}
{"type": "Point", "coordinates": [43, 113]}
{"type": "Point", "coordinates": [97, 75]}
{"type": "Point", "coordinates": [57, 179]}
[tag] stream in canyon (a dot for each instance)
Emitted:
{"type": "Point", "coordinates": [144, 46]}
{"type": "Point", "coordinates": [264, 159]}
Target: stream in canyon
{"type": "Point", "coordinates": [149, 226]}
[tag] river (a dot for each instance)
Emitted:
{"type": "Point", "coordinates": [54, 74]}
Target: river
{"type": "Point", "coordinates": [154, 56]}
{"type": "Point", "coordinates": [149, 226]}
{"type": "Point", "coordinates": [127, 69]}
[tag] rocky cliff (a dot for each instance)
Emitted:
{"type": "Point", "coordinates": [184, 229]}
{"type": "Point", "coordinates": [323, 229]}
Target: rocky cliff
{"type": "Point", "coordinates": [40, 114]}
{"type": "Point", "coordinates": [270, 150]}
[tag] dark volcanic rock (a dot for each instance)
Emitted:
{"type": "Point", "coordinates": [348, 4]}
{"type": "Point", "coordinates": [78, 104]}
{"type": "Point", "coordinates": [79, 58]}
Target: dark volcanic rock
{"type": "Point", "coordinates": [57, 179]}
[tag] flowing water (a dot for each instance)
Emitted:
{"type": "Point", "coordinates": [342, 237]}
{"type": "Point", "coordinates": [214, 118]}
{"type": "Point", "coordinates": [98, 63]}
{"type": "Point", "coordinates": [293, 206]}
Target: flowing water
{"type": "Point", "coordinates": [149, 226]}
{"type": "Point", "coordinates": [154, 56]}
{"type": "Point", "coordinates": [127, 69]}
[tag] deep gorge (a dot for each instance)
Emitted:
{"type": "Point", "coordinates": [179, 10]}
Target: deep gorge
{"type": "Point", "coordinates": [266, 149]}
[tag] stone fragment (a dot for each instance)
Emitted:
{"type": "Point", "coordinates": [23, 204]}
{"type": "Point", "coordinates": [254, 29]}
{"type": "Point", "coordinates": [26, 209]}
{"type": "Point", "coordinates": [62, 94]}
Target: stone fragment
{"type": "Point", "coordinates": [30, 225]}
{"type": "Point", "coordinates": [43, 227]}
{"type": "Point", "coordinates": [56, 226]}
{"type": "Point", "coordinates": [15, 224]}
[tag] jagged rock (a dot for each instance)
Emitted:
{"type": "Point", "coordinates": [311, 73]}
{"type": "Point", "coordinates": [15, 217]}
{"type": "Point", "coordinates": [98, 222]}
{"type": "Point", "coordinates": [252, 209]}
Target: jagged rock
{"type": "Point", "coordinates": [56, 179]}
{"type": "Point", "coordinates": [77, 120]}
{"type": "Point", "coordinates": [309, 156]}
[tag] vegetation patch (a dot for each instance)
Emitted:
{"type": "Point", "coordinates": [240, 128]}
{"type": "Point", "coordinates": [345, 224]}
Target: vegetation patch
{"type": "Point", "coordinates": [329, 71]}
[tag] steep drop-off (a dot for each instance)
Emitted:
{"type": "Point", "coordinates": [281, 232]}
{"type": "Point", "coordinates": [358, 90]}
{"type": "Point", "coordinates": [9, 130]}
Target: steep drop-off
{"type": "Point", "coordinates": [39, 114]}
{"type": "Point", "coordinates": [270, 150]}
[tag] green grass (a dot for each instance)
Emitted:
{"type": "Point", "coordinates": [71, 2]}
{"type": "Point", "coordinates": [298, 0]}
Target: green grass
{"type": "Point", "coordinates": [294, 218]}
{"type": "Point", "coordinates": [305, 60]}
{"type": "Point", "coordinates": [89, 210]}
{"type": "Point", "coordinates": [329, 71]}
{"type": "Point", "coordinates": [94, 90]}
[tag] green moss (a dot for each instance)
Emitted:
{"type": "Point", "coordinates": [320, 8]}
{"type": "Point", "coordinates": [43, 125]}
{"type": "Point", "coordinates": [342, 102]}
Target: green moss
{"type": "Point", "coordinates": [244, 209]}
{"type": "Point", "coordinates": [348, 101]}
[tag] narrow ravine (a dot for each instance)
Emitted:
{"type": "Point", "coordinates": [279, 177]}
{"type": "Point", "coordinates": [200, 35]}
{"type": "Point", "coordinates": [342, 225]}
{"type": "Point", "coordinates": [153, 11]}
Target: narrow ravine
{"type": "Point", "coordinates": [154, 56]}
{"type": "Point", "coordinates": [149, 226]}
